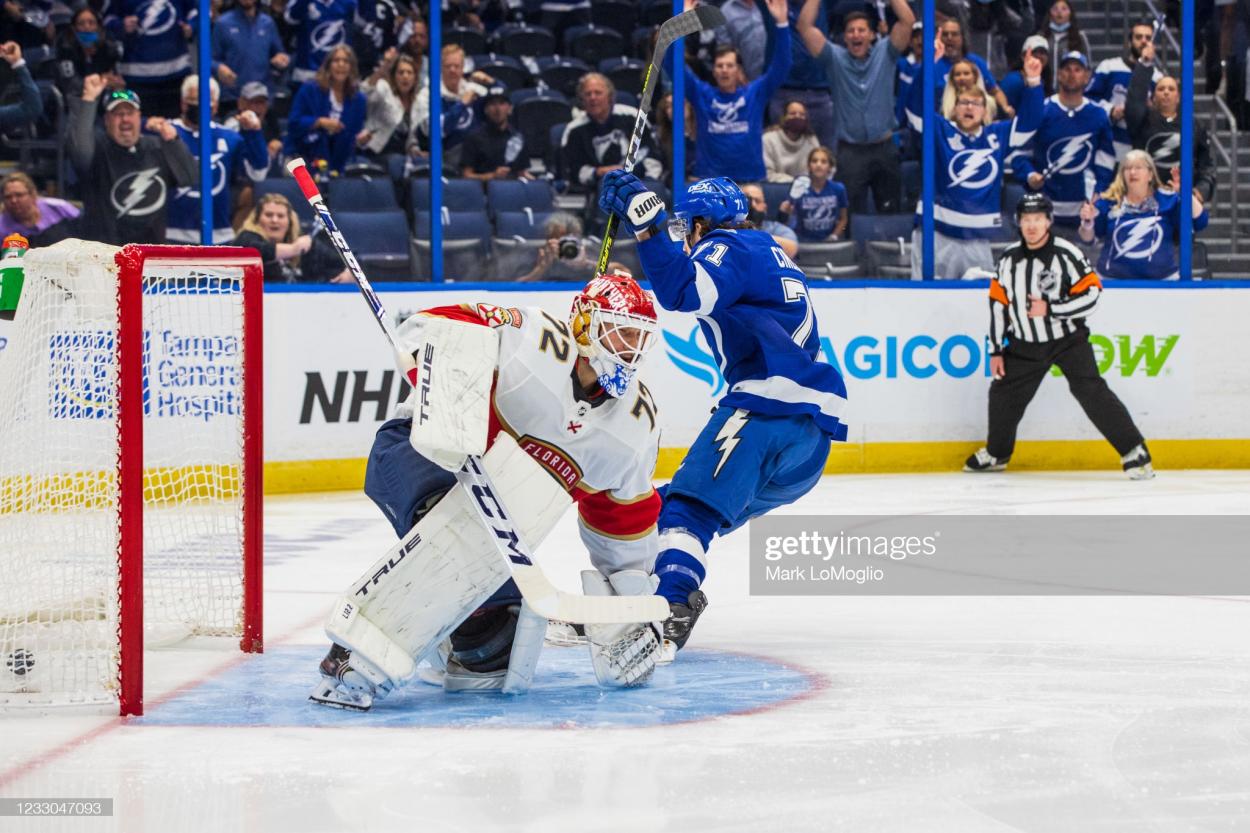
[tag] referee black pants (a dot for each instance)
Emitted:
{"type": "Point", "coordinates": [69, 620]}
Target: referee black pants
{"type": "Point", "coordinates": [1026, 364]}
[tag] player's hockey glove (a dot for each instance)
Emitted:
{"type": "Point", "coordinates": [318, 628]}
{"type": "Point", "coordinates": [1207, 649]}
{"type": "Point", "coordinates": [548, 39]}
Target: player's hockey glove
{"type": "Point", "coordinates": [624, 195]}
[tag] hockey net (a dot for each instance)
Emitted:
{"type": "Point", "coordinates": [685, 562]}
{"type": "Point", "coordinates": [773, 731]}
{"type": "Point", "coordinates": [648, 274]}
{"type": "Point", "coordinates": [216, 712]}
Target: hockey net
{"type": "Point", "coordinates": [129, 466]}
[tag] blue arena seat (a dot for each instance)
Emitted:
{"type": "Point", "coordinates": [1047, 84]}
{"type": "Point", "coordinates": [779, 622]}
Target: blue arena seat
{"type": "Point", "coordinates": [527, 225]}
{"type": "Point", "coordinates": [358, 194]}
{"type": "Point", "coordinates": [525, 41]}
{"type": "Point", "coordinates": [562, 73]}
{"type": "Point", "coordinates": [590, 43]}
{"type": "Point", "coordinates": [380, 240]}
{"type": "Point", "coordinates": [471, 41]}
{"type": "Point", "coordinates": [618, 15]}
{"type": "Point", "coordinates": [503, 68]}
{"type": "Point", "coordinates": [504, 195]}
{"type": "Point", "coordinates": [624, 73]}
{"type": "Point", "coordinates": [534, 117]}
{"type": "Point", "coordinates": [466, 245]}
{"type": "Point", "coordinates": [458, 195]}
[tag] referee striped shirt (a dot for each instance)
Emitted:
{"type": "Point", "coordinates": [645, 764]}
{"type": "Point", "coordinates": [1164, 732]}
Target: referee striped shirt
{"type": "Point", "coordinates": [1058, 272]}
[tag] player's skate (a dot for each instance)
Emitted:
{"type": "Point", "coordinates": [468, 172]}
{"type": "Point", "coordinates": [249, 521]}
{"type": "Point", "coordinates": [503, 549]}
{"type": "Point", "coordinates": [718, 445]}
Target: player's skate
{"type": "Point", "coordinates": [623, 656]}
{"type": "Point", "coordinates": [349, 683]}
{"type": "Point", "coordinates": [984, 461]}
{"type": "Point", "coordinates": [680, 623]}
{"type": "Point", "coordinates": [1137, 463]}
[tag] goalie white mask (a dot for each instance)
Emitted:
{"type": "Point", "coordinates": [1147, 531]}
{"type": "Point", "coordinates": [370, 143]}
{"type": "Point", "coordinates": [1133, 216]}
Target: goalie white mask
{"type": "Point", "coordinates": [614, 325]}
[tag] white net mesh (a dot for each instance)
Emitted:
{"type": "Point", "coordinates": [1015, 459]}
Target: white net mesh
{"type": "Point", "coordinates": [59, 448]}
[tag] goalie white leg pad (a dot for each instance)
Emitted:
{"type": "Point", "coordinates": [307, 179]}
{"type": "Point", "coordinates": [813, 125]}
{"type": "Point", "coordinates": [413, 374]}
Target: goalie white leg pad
{"type": "Point", "coordinates": [527, 644]}
{"type": "Point", "coordinates": [456, 363]}
{"type": "Point", "coordinates": [421, 590]}
{"type": "Point", "coordinates": [622, 655]}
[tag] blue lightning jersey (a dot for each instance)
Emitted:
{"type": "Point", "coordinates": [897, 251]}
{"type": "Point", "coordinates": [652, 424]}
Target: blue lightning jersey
{"type": "Point", "coordinates": [234, 155]}
{"type": "Point", "coordinates": [969, 176]}
{"type": "Point", "coordinates": [816, 213]}
{"type": "Point", "coordinates": [752, 304]}
{"type": "Point", "coordinates": [1073, 150]}
{"type": "Point", "coordinates": [323, 25]}
{"type": "Point", "coordinates": [1109, 87]}
{"type": "Point", "coordinates": [157, 50]}
{"type": "Point", "coordinates": [1140, 241]}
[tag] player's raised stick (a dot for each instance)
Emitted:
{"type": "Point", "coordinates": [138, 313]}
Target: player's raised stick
{"type": "Point", "coordinates": [687, 23]}
{"type": "Point", "coordinates": [539, 593]}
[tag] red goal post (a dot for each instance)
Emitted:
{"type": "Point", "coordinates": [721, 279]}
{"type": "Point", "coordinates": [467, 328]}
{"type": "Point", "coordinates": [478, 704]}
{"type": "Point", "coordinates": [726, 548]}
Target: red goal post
{"type": "Point", "coordinates": [131, 466]}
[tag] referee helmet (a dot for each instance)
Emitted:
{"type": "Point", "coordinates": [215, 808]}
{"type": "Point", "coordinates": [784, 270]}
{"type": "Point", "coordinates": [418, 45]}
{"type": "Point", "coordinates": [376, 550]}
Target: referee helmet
{"type": "Point", "coordinates": [1035, 202]}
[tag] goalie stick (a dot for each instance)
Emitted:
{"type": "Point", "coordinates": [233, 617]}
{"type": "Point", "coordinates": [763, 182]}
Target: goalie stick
{"type": "Point", "coordinates": [539, 593]}
{"type": "Point", "coordinates": [698, 19]}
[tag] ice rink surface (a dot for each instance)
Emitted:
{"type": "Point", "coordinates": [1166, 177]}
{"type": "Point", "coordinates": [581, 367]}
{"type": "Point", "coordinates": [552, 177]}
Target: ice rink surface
{"type": "Point", "coordinates": [967, 714]}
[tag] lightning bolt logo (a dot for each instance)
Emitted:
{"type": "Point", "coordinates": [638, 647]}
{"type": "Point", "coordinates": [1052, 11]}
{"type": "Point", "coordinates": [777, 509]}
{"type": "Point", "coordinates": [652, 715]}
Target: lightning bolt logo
{"type": "Point", "coordinates": [1164, 147]}
{"type": "Point", "coordinates": [130, 195]}
{"type": "Point", "coordinates": [157, 18]}
{"type": "Point", "coordinates": [1130, 235]}
{"type": "Point", "coordinates": [969, 163]}
{"type": "Point", "coordinates": [1071, 155]}
{"type": "Point", "coordinates": [728, 438]}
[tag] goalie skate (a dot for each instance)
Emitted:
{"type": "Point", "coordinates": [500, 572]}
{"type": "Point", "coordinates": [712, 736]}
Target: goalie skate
{"type": "Point", "coordinates": [347, 686]}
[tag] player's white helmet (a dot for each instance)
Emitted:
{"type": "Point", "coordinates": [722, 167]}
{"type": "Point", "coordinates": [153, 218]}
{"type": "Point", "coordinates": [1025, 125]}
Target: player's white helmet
{"type": "Point", "coordinates": [614, 325]}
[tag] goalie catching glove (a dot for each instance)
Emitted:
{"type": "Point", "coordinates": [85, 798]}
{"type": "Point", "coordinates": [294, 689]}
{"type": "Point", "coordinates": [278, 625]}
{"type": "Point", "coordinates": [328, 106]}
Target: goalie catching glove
{"type": "Point", "coordinates": [638, 207]}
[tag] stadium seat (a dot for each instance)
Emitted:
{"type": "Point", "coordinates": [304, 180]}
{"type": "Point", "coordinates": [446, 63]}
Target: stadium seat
{"type": "Point", "coordinates": [503, 195]}
{"type": "Point", "coordinates": [534, 117]}
{"type": "Point", "coordinates": [655, 12]}
{"type": "Point", "coordinates": [590, 43]}
{"type": "Point", "coordinates": [562, 74]}
{"type": "Point", "coordinates": [458, 195]}
{"type": "Point", "coordinates": [380, 241]}
{"type": "Point", "coordinates": [466, 245]}
{"type": "Point", "coordinates": [624, 73]}
{"type": "Point", "coordinates": [362, 195]}
{"type": "Point", "coordinates": [885, 244]}
{"type": "Point", "coordinates": [518, 237]}
{"type": "Point", "coordinates": [525, 224]}
{"type": "Point", "coordinates": [471, 41]}
{"type": "Point", "coordinates": [552, 157]}
{"type": "Point", "coordinates": [640, 42]}
{"type": "Point", "coordinates": [287, 187]}
{"type": "Point", "coordinates": [817, 259]}
{"type": "Point", "coordinates": [503, 68]}
{"type": "Point", "coordinates": [618, 15]}
{"type": "Point", "coordinates": [522, 41]}
{"type": "Point", "coordinates": [1012, 191]}
{"type": "Point", "coordinates": [627, 98]}
{"type": "Point", "coordinates": [775, 193]}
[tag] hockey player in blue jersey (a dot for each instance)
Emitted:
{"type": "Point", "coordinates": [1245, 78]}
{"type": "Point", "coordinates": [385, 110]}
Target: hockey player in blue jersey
{"type": "Point", "coordinates": [1139, 221]}
{"type": "Point", "coordinates": [234, 155]}
{"type": "Point", "coordinates": [1073, 156]}
{"type": "Point", "coordinates": [768, 439]}
{"type": "Point", "coordinates": [971, 151]}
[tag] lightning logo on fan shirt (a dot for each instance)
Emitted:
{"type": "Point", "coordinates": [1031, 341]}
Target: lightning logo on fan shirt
{"type": "Point", "coordinates": [967, 164]}
{"type": "Point", "coordinates": [1071, 155]}
{"type": "Point", "coordinates": [728, 438]}
{"type": "Point", "coordinates": [133, 194]}
{"type": "Point", "coordinates": [1164, 148]}
{"type": "Point", "coordinates": [1130, 236]}
{"type": "Point", "coordinates": [158, 18]}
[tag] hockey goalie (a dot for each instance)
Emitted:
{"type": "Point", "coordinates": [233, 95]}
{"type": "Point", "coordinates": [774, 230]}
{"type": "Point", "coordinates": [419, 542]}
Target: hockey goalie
{"type": "Point", "coordinates": [557, 410]}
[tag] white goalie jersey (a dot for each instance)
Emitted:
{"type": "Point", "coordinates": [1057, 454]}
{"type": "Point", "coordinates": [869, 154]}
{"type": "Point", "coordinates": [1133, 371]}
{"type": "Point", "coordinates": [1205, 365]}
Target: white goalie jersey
{"type": "Point", "coordinates": [604, 455]}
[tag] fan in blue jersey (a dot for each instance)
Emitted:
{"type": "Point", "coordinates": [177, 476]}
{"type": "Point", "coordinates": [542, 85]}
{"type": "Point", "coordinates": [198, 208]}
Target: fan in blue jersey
{"type": "Point", "coordinates": [153, 35]}
{"type": "Point", "coordinates": [954, 49]}
{"type": "Point", "coordinates": [234, 154]}
{"type": "Point", "coordinates": [971, 151]}
{"type": "Point", "coordinates": [1072, 152]}
{"type": "Point", "coordinates": [730, 117]}
{"type": "Point", "coordinates": [817, 205]}
{"type": "Point", "coordinates": [768, 439]}
{"type": "Point", "coordinates": [1139, 221]}
{"type": "Point", "coordinates": [1109, 86]}
{"type": "Point", "coordinates": [321, 26]}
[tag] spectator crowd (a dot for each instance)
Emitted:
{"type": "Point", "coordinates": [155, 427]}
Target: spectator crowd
{"type": "Point", "coordinates": [814, 106]}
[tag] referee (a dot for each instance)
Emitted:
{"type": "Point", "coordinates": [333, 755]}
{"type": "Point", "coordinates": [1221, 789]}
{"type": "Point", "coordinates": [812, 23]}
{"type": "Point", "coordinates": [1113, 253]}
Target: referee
{"type": "Point", "coordinates": [1044, 290]}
